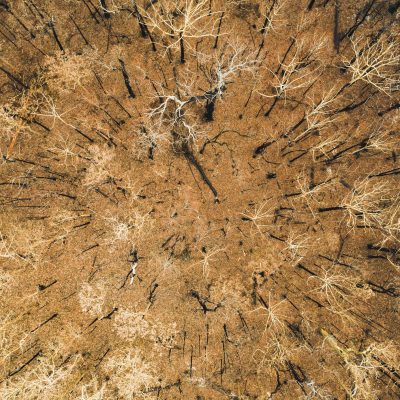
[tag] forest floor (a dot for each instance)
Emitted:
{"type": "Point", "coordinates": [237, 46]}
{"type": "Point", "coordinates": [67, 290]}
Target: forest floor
{"type": "Point", "coordinates": [211, 215]}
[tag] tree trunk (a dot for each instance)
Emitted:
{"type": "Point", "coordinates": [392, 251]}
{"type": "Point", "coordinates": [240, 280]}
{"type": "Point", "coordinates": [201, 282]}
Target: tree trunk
{"type": "Point", "coordinates": [181, 45]}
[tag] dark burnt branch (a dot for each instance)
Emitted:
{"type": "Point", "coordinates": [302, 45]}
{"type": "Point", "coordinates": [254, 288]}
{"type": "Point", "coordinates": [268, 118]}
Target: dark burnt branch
{"type": "Point", "coordinates": [187, 152]}
{"type": "Point", "coordinates": [84, 135]}
{"type": "Point", "coordinates": [361, 145]}
{"type": "Point", "coordinates": [152, 292]}
{"type": "Point", "coordinates": [278, 384]}
{"type": "Point", "coordinates": [298, 374]}
{"type": "Point", "coordinates": [126, 79]}
{"type": "Point", "coordinates": [336, 32]}
{"type": "Point", "coordinates": [106, 13]}
{"type": "Point", "coordinates": [254, 290]}
{"type": "Point", "coordinates": [292, 42]}
{"type": "Point", "coordinates": [14, 78]}
{"type": "Point", "coordinates": [219, 30]}
{"type": "Point", "coordinates": [80, 32]}
{"type": "Point", "coordinates": [56, 38]}
{"type": "Point", "coordinates": [296, 330]}
{"type": "Point", "coordinates": [264, 27]}
{"type": "Point", "coordinates": [217, 136]}
{"type": "Point", "coordinates": [11, 40]}
{"type": "Point", "coordinates": [92, 13]}
{"type": "Point", "coordinates": [142, 24]}
{"type": "Point", "coordinates": [126, 279]}
{"type": "Point", "coordinates": [317, 303]}
{"type": "Point", "coordinates": [110, 314]}
{"type": "Point", "coordinates": [301, 266]}
{"type": "Point", "coordinates": [310, 5]}
{"type": "Point", "coordinates": [395, 171]}
{"type": "Point", "coordinates": [392, 370]}
{"type": "Point", "coordinates": [266, 114]}
{"type": "Point", "coordinates": [182, 48]}
{"type": "Point", "coordinates": [352, 106]}
{"type": "Point", "coordinates": [102, 357]}
{"type": "Point", "coordinates": [55, 315]}
{"type": "Point", "coordinates": [32, 35]}
{"type": "Point", "coordinates": [144, 30]}
{"type": "Point", "coordinates": [267, 18]}
{"type": "Point", "coordinates": [36, 355]}
{"type": "Point", "coordinates": [96, 9]}
{"type": "Point", "coordinates": [327, 209]}
{"type": "Point", "coordinates": [390, 291]}
{"type": "Point", "coordinates": [394, 106]}
{"type": "Point", "coordinates": [203, 301]}
{"type": "Point", "coordinates": [41, 287]}
{"type": "Point", "coordinates": [360, 18]}
{"type": "Point", "coordinates": [261, 148]}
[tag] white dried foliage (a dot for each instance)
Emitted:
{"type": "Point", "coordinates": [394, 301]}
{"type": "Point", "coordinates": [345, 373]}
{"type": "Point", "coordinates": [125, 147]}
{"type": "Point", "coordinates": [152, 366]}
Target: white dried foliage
{"type": "Point", "coordinates": [47, 378]}
{"type": "Point", "coordinates": [130, 374]}
{"type": "Point", "coordinates": [375, 62]}
{"type": "Point", "coordinates": [376, 205]}
{"type": "Point", "coordinates": [67, 71]}
{"type": "Point", "coordinates": [99, 167]}
{"type": "Point", "coordinates": [92, 298]}
{"type": "Point", "coordinates": [131, 325]}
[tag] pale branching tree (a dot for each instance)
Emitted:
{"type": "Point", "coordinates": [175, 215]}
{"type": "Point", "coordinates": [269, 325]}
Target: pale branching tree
{"type": "Point", "coordinates": [48, 378]}
{"type": "Point", "coordinates": [365, 366]}
{"type": "Point", "coordinates": [299, 71]}
{"type": "Point", "coordinates": [173, 113]}
{"type": "Point", "coordinates": [327, 144]}
{"type": "Point", "coordinates": [92, 391]}
{"type": "Point", "coordinates": [383, 140]}
{"type": "Point", "coordinates": [92, 298]}
{"type": "Point", "coordinates": [375, 63]}
{"type": "Point", "coordinates": [131, 375]}
{"type": "Point", "coordinates": [273, 16]}
{"type": "Point", "coordinates": [375, 205]}
{"type": "Point", "coordinates": [341, 291]}
{"type": "Point", "coordinates": [320, 115]}
{"type": "Point", "coordinates": [259, 216]}
{"type": "Point", "coordinates": [16, 116]}
{"type": "Point", "coordinates": [296, 247]}
{"type": "Point", "coordinates": [180, 22]}
{"type": "Point", "coordinates": [313, 193]}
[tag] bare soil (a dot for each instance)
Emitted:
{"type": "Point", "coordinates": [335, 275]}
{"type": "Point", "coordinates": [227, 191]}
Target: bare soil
{"type": "Point", "coordinates": [141, 261]}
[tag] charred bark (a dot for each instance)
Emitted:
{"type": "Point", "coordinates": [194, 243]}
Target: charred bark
{"type": "Point", "coordinates": [126, 79]}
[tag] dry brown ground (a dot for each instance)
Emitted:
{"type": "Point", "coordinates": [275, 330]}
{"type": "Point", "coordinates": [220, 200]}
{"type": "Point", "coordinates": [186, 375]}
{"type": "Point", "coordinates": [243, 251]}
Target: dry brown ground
{"type": "Point", "coordinates": [283, 286]}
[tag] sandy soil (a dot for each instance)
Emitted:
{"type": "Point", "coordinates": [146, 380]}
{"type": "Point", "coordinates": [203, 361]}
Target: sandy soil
{"type": "Point", "coordinates": [152, 246]}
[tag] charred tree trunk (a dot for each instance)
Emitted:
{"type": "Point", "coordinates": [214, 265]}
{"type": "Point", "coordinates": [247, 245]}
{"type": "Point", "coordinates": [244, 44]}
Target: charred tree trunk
{"type": "Point", "coordinates": [394, 106]}
{"type": "Point", "coordinates": [310, 5]}
{"type": "Point", "coordinates": [182, 48]}
{"type": "Point", "coordinates": [336, 33]}
{"type": "Point", "coordinates": [210, 108]}
{"type": "Point", "coordinates": [56, 38]}
{"type": "Point", "coordinates": [266, 114]}
{"type": "Point", "coordinates": [80, 32]}
{"type": "Point", "coordinates": [187, 152]}
{"type": "Point", "coordinates": [142, 24]}
{"type": "Point", "coordinates": [106, 13]}
{"type": "Point", "coordinates": [144, 30]}
{"type": "Point", "coordinates": [126, 79]}
{"type": "Point", "coordinates": [14, 78]}
{"type": "Point", "coordinates": [360, 18]}
{"type": "Point", "coordinates": [219, 30]}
